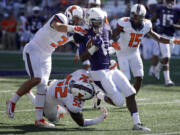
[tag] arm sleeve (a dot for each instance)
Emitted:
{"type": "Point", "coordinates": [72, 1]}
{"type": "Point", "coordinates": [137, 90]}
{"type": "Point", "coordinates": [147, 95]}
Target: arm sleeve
{"type": "Point", "coordinates": [88, 122]}
{"type": "Point", "coordinates": [78, 118]}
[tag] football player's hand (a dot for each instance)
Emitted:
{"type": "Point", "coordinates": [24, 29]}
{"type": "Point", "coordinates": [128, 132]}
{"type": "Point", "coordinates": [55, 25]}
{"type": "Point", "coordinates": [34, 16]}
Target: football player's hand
{"type": "Point", "coordinates": [104, 112]}
{"type": "Point", "coordinates": [80, 30]}
{"type": "Point", "coordinates": [76, 58]}
{"type": "Point", "coordinates": [116, 46]}
{"type": "Point", "coordinates": [177, 41]}
{"type": "Point", "coordinates": [97, 41]}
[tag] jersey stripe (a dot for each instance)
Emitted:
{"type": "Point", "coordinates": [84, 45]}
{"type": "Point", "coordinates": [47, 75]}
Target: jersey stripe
{"type": "Point", "coordinates": [29, 65]}
{"type": "Point", "coordinates": [58, 19]}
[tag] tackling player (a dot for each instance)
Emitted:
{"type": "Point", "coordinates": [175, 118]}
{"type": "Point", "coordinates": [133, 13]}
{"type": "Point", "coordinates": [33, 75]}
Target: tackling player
{"type": "Point", "coordinates": [37, 57]}
{"type": "Point", "coordinates": [131, 31]}
{"type": "Point", "coordinates": [70, 93]}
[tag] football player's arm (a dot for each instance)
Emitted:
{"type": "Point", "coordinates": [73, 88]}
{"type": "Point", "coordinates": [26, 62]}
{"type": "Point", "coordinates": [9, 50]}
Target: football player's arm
{"type": "Point", "coordinates": [115, 35]}
{"type": "Point", "coordinates": [60, 27]}
{"type": "Point", "coordinates": [86, 51]}
{"type": "Point", "coordinates": [154, 18]}
{"type": "Point", "coordinates": [177, 26]}
{"type": "Point", "coordinates": [79, 119]}
{"type": "Point", "coordinates": [83, 53]}
{"type": "Point", "coordinates": [161, 39]}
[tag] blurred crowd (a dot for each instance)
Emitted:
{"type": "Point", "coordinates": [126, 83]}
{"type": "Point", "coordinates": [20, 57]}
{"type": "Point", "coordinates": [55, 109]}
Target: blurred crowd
{"type": "Point", "coordinates": [17, 27]}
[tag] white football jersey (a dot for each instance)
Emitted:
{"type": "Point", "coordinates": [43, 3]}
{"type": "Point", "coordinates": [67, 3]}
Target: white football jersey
{"type": "Point", "coordinates": [130, 39]}
{"type": "Point", "coordinates": [59, 89]}
{"type": "Point", "coordinates": [47, 39]}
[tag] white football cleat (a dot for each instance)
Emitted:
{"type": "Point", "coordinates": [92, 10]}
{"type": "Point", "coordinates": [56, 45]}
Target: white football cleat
{"type": "Point", "coordinates": [140, 126]}
{"type": "Point", "coordinates": [10, 107]}
{"type": "Point", "coordinates": [157, 71]}
{"type": "Point", "coordinates": [43, 123]}
{"type": "Point", "coordinates": [96, 101]}
{"type": "Point", "coordinates": [169, 83]}
{"type": "Point", "coordinates": [151, 72]}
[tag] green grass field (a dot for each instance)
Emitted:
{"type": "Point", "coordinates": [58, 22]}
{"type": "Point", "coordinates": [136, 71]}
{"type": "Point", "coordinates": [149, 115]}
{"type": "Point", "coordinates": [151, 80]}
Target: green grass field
{"type": "Point", "coordinates": [159, 106]}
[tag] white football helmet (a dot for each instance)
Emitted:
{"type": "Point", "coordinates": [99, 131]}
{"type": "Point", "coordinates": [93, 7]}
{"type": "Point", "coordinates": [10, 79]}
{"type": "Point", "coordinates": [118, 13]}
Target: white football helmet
{"type": "Point", "coordinates": [36, 11]}
{"type": "Point", "coordinates": [169, 3]}
{"type": "Point", "coordinates": [73, 13]}
{"type": "Point", "coordinates": [137, 15]}
{"type": "Point", "coordinates": [94, 3]}
{"type": "Point", "coordinates": [82, 90]}
{"type": "Point", "coordinates": [95, 19]}
{"type": "Point", "coordinates": [151, 2]}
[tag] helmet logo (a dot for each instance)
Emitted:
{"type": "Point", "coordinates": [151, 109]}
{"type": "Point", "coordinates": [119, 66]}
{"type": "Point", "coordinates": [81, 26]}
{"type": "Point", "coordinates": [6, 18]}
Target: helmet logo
{"type": "Point", "coordinates": [80, 95]}
{"type": "Point", "coordinates": [138, 9]}
{"type": "Point", "coordinates": [73, 7]}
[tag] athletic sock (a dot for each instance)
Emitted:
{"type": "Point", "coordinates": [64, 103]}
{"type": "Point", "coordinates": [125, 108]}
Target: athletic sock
{"type": "Point", "coordinates": [135, 117]}
{"type": "Point", "coordinates": [166, 75]}
{"type": "Point", "coordinates": [15, 97]}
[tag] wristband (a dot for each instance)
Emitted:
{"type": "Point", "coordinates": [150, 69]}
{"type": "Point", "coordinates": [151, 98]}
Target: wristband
{"type": "Point", "coordinates": [92, 50]}
{"type": "Point", "coordinates": [171, 41]}
{"type": "Point", "coordinates": [70, 28]}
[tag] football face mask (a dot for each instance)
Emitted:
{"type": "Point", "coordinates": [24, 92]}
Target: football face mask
{"type": "Point", "coordinates": [97, 25]}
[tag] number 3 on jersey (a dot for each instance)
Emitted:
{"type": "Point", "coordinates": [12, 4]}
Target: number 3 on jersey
{"type": "Point", "coordinates": [60, 42]}
{"type": "Point", "coordinates": [135, 40]}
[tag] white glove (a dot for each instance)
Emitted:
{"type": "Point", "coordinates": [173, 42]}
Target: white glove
{"type": "Point", "coordinates": [104, 112]}
{"type": "Point", "coordinates": [77, 29]}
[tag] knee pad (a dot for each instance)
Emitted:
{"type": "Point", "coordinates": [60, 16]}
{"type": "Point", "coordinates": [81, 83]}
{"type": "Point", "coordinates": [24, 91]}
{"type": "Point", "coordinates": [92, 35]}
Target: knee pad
{"type": "Point", "coordinates": [42, 88]}
{"type": "Point", "coordinates": [117, 99]}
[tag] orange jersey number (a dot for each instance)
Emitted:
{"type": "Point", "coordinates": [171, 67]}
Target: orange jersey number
{"type": "Point", "coordinates": [135, 40]}
{"type": "Point", "coordinates": [60, 42]}
{"type": "Point", "coordinates": [59, 89]}
{"type": "Point", "coordinates": [84, 78]}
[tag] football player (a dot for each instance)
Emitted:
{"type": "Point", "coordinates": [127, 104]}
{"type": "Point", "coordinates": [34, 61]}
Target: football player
{"type": "Point", "coordinates": [131, 31]}
{"type": "Point", "coordinates": [169, 18]}
{"type": "Point", "coordinates": [37, 57]}
{"type": "Point", "coordinates": [93, 4]}
{"type": "Point", "coordinates": [94, 46]}
{"type": "Point", "coordinates": [70, 93]}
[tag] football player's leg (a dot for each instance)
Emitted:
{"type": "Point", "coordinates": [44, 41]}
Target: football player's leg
{"type": "Point", "coordinates": [124, 66]}
{"type": "Point", "coordinates": [32, 97]}
{"type": "Point", "coordinates": [31, 63]}
{"type": "Point", "coordinates": [136, 66]}
{"type": "Point", "coordinates": [50, 109]}
{"type": "Point", "coordinates": [41, 93]}
{"type": "Point", "coordinates": [154, 60]}
{"type": "Point", "coordinates": [129, 92]}
{"type": "Point", "coordinates": [166, 54]}
{"type": "Point", "coordinates": [103, 79]}
{"type": "Point", "coordinates": [112, 92]}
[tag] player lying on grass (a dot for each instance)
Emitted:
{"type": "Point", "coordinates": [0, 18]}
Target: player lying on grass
{"type": "Point", "coordinates": [71, 94]}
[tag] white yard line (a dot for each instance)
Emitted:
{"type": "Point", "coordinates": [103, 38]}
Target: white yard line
{"type": "Point", "coordinates": [86, 107]}
{"type": "Point", "coordinates": [6, 91]}
{"type": "Point", "coordinates": [170, 133]}
{"type": "Point", "coordinates": [26, 110]}
{"type": "Point", "coordinates": [142, 99]}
